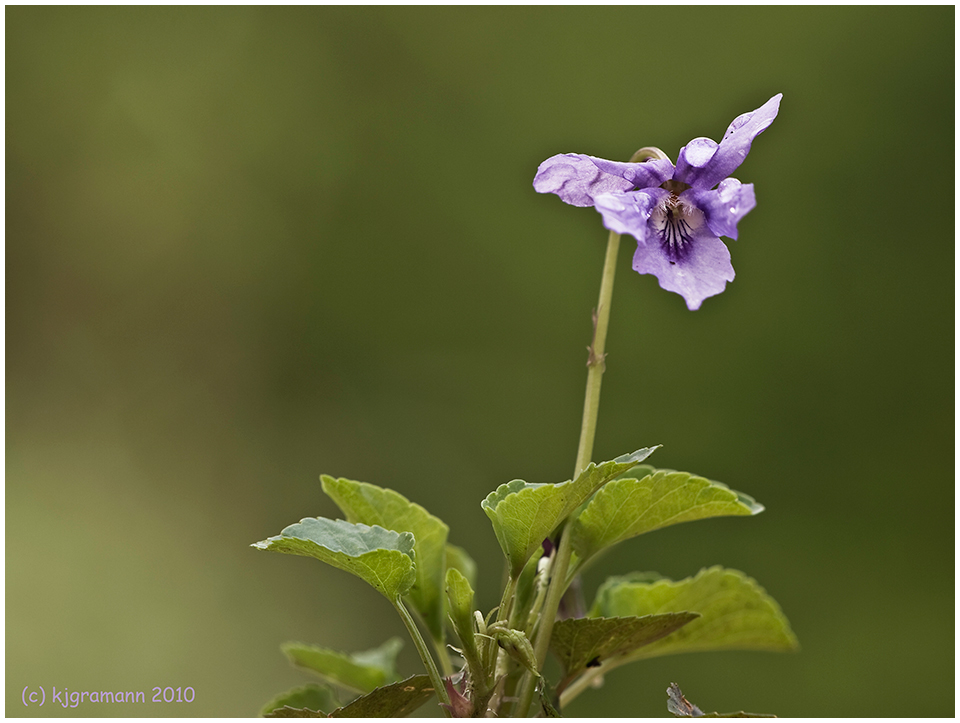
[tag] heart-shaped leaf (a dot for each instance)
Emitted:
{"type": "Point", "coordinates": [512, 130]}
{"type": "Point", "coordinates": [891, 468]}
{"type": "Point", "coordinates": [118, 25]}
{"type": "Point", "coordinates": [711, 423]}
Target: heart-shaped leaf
{"type": "Point", "coordinates": [313, 697]}
{"type": "Point", "coordinates": [361, 671]}
{"type": "Point", "coordinates": [736, 613]}
{"type": "Point", "coordinates": [524, 514]}
{"type": "Point", "coordinates": [381, 557]}
{"type": "Point", "coordinates": [595, 476]}
{"type": "Point", "coordinates": [580, 643]}
{"type": "Point", "coordinates": [628, 507]}
{"type": "Point", "coordinates": [372, 505]}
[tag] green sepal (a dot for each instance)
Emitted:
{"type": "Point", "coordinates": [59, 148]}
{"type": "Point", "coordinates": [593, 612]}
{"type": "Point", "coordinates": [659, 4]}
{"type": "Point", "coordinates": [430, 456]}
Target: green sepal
{"type": "Point", "coordinates": [581, 643]}
{"type": "Point", "coordinates": [736, 613]}
{"type": "Point", "coordinates": [390, 701]}
{"type": "Point", "coordinates": [361, 672]}
{"type": "Point", "coordinates": [383, 558]}
{"type": "Point", "coordinates": [524, 514]}
{"type": "Point", "coordinates": [372, 505]}
{"type": "Point", "coordinates": [316, 698]}
{"type": "Point", "coordinates": [628, 507]}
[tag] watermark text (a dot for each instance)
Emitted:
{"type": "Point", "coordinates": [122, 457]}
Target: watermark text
{"type": "Point", "coordinates": [40, 695]}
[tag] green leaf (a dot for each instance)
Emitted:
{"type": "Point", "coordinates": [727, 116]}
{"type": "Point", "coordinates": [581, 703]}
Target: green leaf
{"type": "Point", "coordinates": [378, 556]}
{"type": "Point", "coordinates": [460, 560]}
{"type": "Point", "coordinates": [460, 597]}
{"type": "Point", "coordinates": [580, 643]}
{"type": "Point", "coordinates": [371, 505]}
{"type": "Point", "coordinates": [361, 671]}
{"type": "Point", "coordinates": [638, 471]}
{"type": "Point", "coordinates": [382, 658]}
{"type": "Point", "coordinates": [460, 603]}
{"type": "Point", "coordinates": [596, 476]}
{"type": "Point", "coordinates": [290, 712]}
{"type": "Point", "coordinates": [390, 701]}
{"type": "Point", "coordinates": [524, 514]}
{"type": "Point", "coordinates": [736, 613]}
{"type": "Point", "coordinates": [316, 698]}
{"type": "Point", "coordinates": [628, 507]}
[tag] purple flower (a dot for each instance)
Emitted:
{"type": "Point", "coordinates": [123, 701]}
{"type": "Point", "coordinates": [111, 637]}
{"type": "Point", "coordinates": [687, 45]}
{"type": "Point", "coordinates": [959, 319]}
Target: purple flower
{"type": "Point", "coordinates": [676, 213]}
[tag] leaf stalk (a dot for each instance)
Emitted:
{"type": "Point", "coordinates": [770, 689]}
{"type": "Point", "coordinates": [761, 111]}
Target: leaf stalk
{"type": "Point", "coordinates": [424, 654]}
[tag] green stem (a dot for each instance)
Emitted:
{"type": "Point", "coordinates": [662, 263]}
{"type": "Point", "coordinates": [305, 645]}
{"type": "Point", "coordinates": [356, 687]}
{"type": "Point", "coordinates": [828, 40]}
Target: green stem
{"type": "Point", "coordinates": [582, 683]}
{"type": "Point", "coordinates": [424, 654]}
{"type": "Point", "coordinates": [588, 428]}
{"type": "Point", "coordinates": [548, 616]}
{"type": "Point", "coordinates": [494, 653]}
{"type": "Point", "coordinates": [506, 600]}
{"type": "Point", "coordinates": [595, 362]}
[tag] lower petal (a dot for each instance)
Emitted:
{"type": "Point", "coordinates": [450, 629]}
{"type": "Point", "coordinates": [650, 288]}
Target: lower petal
{"type": "Point", "coordinates": [704, 271]}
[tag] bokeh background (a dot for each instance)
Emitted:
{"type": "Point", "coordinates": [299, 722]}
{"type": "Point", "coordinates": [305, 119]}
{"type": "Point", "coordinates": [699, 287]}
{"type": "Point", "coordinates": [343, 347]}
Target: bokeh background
{"type": "Point", "coordinates": [247, 246]}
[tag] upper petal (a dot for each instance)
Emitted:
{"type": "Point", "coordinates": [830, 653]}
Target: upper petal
{"type": "Point", "coordinates": [579, 179]}
{"type": "Point", "coordinates": [693, 157]}
{"type": "Point", "coordinates": [648, 174]}
{"type": "Point", "coordinates": [704, 174]}
{"type": "Point", "coordinates": [724, 206]}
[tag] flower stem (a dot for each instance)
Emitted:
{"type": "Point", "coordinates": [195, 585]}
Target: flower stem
{"type": "Point", "coordinates": [595, 362]}
{"type": "Point", "coordinates": [424, 654]}
{"type": "Point", "coordinates": [588, 428]}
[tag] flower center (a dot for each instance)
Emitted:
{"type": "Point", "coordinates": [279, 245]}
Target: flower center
{"type": "Point", "coordinates": [672, 220]}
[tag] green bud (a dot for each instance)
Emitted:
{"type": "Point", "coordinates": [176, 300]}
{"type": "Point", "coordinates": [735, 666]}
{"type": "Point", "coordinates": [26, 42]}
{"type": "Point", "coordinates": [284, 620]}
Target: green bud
{"type": "Point", "coordinates": [516, 645]}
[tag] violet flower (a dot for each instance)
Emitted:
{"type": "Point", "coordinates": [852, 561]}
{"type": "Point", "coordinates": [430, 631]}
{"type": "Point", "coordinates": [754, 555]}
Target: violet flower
{"type": "Point", "coordinates": [676, 213]}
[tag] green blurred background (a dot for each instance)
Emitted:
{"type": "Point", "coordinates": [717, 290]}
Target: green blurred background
{"type": "Point", "coordinates": [248, 246]}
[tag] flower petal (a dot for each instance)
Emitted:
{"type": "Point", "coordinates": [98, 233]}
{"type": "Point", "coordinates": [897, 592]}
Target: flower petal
{"type": "Point", "coordinates": [733, 149]}
{"type": "Point", "coordinates": [693, 157]}
{"type": "Point", "coordinates": [649, 174]}
{"type": "Point", "coordinates": [629, 212]}
{"type": "Point", "coordinates": [725, 206]}
{"type": "Point", "coordinates": [704, 271]}
{"type": "Point", "coordinates": [579, 179]}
